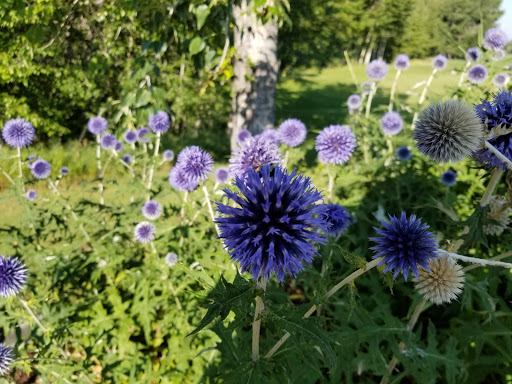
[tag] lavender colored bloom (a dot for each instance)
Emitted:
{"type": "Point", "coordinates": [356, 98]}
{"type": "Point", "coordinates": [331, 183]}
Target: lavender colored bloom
{"type": "Point", "coordinates": [196, 163]}
{"type": "Point", "coordinates": [41, 169]}
{"type": "Point", "coordinates": [13, 276]}
{"type": "Point", "coordinates": [473, 54]}
{"type": "Point", "coordinates": [477, 74]}
{"type": "Point", "coordinates": [6, 359]}
{"type": "Point", "coordinates": [64, 171]}
{"type": "Point", "coordinates": [403, 153]}
{"type": "Point", "coordinates": [366, 88]}
{"type": "Point", "coordinates": [277, 224]}
{"type": "Point", "coordinates": [254, 153]}
{"type": "Point", "coordinates": [404, 243]}
{"type": "Point", "coordinates": [243, 135]}
{"type": "Point", "coordinates": [354, 102]}
{"type": "Point", "coordinates": [31, 195]}
{"type": "Point", "coordinates": [130, 136]}
{"type": "Point", "coordinates": [377, 69]}
{"type": "Point", "coordinates": [222, 175]}
{"type": "Point", "coordinates": [500, 80]}
{"type": "Point", "coordinates": [144, 232]}
{"type": "Point", "coordinates": [97, 125]}
{"type": "Point", "coordinates": [127, 158]}
{"type": "Point", "coordinates": [168, 155]}
{"type": "Point", "coordinates": [495, 39]}
{"type": "Point", "coordinates": [402, 62]}
{"type": "Point", "coordinates": [292, 132]}
{"type": "Point", "coordinates": [18, 133]}
{"type": "Point", "coordinates": [439, 62]}
{"type": "Point", "coordinates": [179, 180]}
{"type": "Point", "coordinates": [498, 55]}
{"type": "Point", "coordinates": [270, 135]}
{"type": "Point", "coordinates": [449, 178]}
{"type": "Point", "coordinates": [338, 218]}
{"type": "Point", "coordinates": [152, 210]}
{"type": "Point", "coordinates": [119, 146]}
{"type": "Point", "coordinates": [391, 123]}
{"type": "Point", "coordinates": [108, 141]}
{"type": "Point", "coordinates": [335, 144]}
{"type": "Point", "coordinates": [171, 259]}
{"type": "Point", "coordinates": [159, 122]}
{"type": "Point", "coordinates": [141, 133]}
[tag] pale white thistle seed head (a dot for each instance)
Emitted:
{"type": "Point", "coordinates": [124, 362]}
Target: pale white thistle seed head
{"type": "Point", "coordinates": [443, 283]}
{"type": "Point", "coordinates": [499, 211]}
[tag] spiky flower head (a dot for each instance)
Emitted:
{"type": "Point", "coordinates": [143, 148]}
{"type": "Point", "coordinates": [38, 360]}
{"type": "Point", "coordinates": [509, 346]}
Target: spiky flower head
{"type": "Point", "coordinates": [448, 131]}
{"type": "Point", "coordinates": [97, 125]}
{"type": "Point", "coordinates": [439, 62]}
{"type": "Point", "coordinates": [243, 135]}
{"type": "Point", "coordinates": [142, 133]}
{"type": "Point", "coordinates": [473, 54]}
{"type": "Point", "coordinates": [366, 88]}
{"type": "Point", "coordinates": [108, 141]}
{"type": "Point", "coordinates": [499, 211]}
{"type": "Point", "coordinates": [64, 171]}
{"type": "Point", "coordinates": [270, 135]}
{"type": "Point", "coordinates": [335, 144]}
{"type": "Point", "coordinates": [168, 155]}
{"type": "Point", "coordinates": [277, 224]}
{"type": "Point", "coordinates": [391, 123]}
{"type": "Point", "coordinates": [127, 158]}
{"type": "Point", "coordinates": [31, 195]}
{"type": "Point", "coordinates": [402, 62]}
{"type": "Point", "coordinates": [41, 169]}
{"type": "Point", "coordinates": [18, 133]}
{"type": "Point", "coordinates": [171, 259]}
{"type": "Point", "coordinates": [338, 218]}
{"type": "Point", "coordinates": [254, 153]}
{"type": "Point", "coordinates": [500, 80]}
{"type": "Point", "coordinates": [130, 136]}
{"type": "Point", "coordinates": [449, 178]}
{"type": "Point", "coordinates": [403, 153]}
{"type": "Point", "coordinates": [404, 243]}
{"type": "Point", "coordinates": [477, 74]}
{"type": "Point", "coordinates": [292, 132]}
{"type": "Point", "coordinates": [159, 122]}
{"type": "Point", "coordinates": [13, 276]}
{"type": "Point", "coordinates": [222, 175]}
{"type": "Point", "coordinates": [354, 102]}
{"type": "Point", "coordinates": [152, 210]}
{"type": "Point", "coordinates": [377, 69]}
{"type": "Point", "coordinates": [144, 232]}
{"type": "Point", "coordinates": [179, 180]}
{"type": "Point", "coordinates": [196, 163]}
{"type": "Point", "coordinates": [494, 113]}
{"type": "Point", "coordinates": [495, 39]}
{"type": "Point", "coordinates": [441, 282]}
{"type": "Point", "coordinates": [6, 359]}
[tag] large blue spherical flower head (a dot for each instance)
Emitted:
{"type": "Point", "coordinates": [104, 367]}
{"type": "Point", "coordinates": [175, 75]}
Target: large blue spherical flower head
{"type": "Point", "coordinates": [243, 135]}
{"type": "Point", "coordinates": [41, 169]}
{"type": "Point", "coordinates": [179, 180]}
{"type": "Point", "coordinates": [335, 144]}
{"type": "Point", "coordinates": [270, 135]}
{"type": "Point", "coordinates": [127, 158]}
{"type": "Point", "coordinates": [142, 133]}
{"type": "Point", "coordinates": [168, 155]}
{"type": "Point", "coordinates": [402, 62]}
{"type": "Point", "coordinates": [108, 141]}
{"type": "Point", "coordinates": [222, 175]}
{"type": "Point", "coordinates": [377, 69]}
{"type": "Point", "coordinates": [144, 232]}
{"type": "Point", "coordinates": [354, 102]}
{"type": "Point", "coordinates": [404, 243]}
{"type": "Point", "coordinates": [277, 225]}
{"type": "Point", "coordinates": [18, 133]}
{"type": "Point", "coordinates": [130, 136]}
{"type": "Point", "coordinates": [495, 39]}
{"type": "Point", "coordinates": [97, 125]}
{"type": "Point", "coordinates": [159, 122]}
{"type": "Point", "coordinates": [477, 74]}
{"type": "Point", "coordinates": [152, 210]}
{"type": "Point", "coordinates": [254, 153]}
{"type": "Point", "coordinates": [403, 153]}
{"type": "Point", "coordinates": [13, 276]}
{"type": "Point", "coordinates": [6, 359]}
{"type": "Point", "coordinates": [338, 217]}
{"type": "Point", "coordinates": [497, 111]}
{"type": "Point", "coordinates": [196, 163]}
{"type": "Point", "coordinates": [391, 123]}
{"type": "Point", "coordinates": [449, 178]}
{"type": "Point", "coordinates": [473, 54]}
{"type": "Point", "coordinates": [292, 132]}
{"type": "Point", "coordinates": [500, 80]}
{"type": "Point", "coordinates": [439, 62]}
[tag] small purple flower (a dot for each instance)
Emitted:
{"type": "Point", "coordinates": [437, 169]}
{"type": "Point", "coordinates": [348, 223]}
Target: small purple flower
{"type": "Point", "coordinates": [338, 218]}
{"type": "Point", "coordinates": [377, 69]}
{"type": "Point", "coordinates": [402, 62]}
{"type": "Point", "coordinates": [119, 146]}
{"type": "Point", "coordinates": [179, 180]}
{"type": "Point", "coordinates": [270, 135]}
{"type": "Point", "coordinates": [127, 158]}
{"type": "Point", "coordinates": [152, 210]}
{"type": "Point", "coordinates": [168, 155]}
{"type": "Point", "coordinates": [144, 232]}
{"type": "Point", "coordinates": [64, 171]}
{"type": "Point", "coordinates": [159, 122]}
{"type": "Point", "coordinates": [354, 102]}
{"type": "Point", "coordinates": [41, 169]}
{"type": "Point", "coordinates": [196, 163]}
{"type": "Point", "coordinates": [254, 153]}
{"type": "Point", "coordinates": [18, 133]}
{"type": "Point", "coordinates": [222, 175]}
{"type": "Point", "coordinates": [292, 132]}
{"type": "Point", "coordinates": [403, 153]}
{"type": "Point", "coordinates": [141, 133]}
{"type": "Point", "coordinates": [495, 39]}
{"type": "Point", "coordinates": [243, 135]}
{"type": "Point", "coordinates": [439, 62]}
{"type": "Point", "coordinates": [108, 141]}
{"type": "Point", "coordinates": [6, 359]}
{"type": "Point", "coordinates": [335, 144]}
{"type": "Point", "coordinates": [31, 195]}
{"type": "Point", "coordinates": [449, 178]}
{"type": "Point", "coordinates": [130, 136]}
{"type": "Point", "coordinates": [97, 125]}
{"type": "Point", "coordinates": [498, 55]}
{"type": "Point", "coordinates": [171, 259]}
{"type": "Point", "coordinates": [500, 80]}
{"type": "Point", "coordinates": [13, 276]}
{"type": "Point", "coordinates": [473, 54]}
{"type": "Point", "coordinates": [366, 88]}
{"type": "Point", "coordinates": [391, 123]}
{"type": "Point", "coordinates": [477, 74]}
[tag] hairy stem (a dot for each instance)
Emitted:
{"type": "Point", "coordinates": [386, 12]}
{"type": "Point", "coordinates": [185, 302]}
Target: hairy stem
{"type": "Point", "coordinates": [373, 90]}
{"type": "Point", "coordinates": [495, 178]}
{"type": "Point", "coordinates": [210, 209]}
{"type": "Point", "coordinates": [499, 155]}
{"type": "Point", "coordinates": [475, 260]}
{"type": "Point", "coordinates": [427, 86]}
{"type": "Point", "coordinates": [331, 184]}
{"type": "Point", "coordinates": [256, 324]}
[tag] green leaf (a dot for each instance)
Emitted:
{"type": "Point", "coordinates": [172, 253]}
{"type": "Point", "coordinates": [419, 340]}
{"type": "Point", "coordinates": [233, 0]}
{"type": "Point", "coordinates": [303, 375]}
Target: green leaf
{"type": "Point", "coordinates": [196, 45]}
{"type": "Point", "coordinates": [201, 11]}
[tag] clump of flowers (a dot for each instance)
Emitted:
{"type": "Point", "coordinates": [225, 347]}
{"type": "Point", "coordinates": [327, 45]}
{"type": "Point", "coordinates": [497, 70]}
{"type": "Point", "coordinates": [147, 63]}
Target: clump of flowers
{"type": "Point", "coordinates": [354, 102]}
{"type": "Point", "coordinates": [403, 153]}
{"type": "Point", "coordinates": [439, 62]}
{"type": "Point", "coordinates": [402, 62]}
{"type": "Point", "coordinates": [473, 54]}
{"type": "Point", "coordinates": [404, 243]}
{"type": "Point", "coordinates": [168, 155]}
{"type": "Point", "coordinates": [495, 39]}
{"type": "Point", "coordinates": [171, 259]}
{"type": "Point", "coordinates": [277, 224]}
{"type": "Point", "coordinates": [243, 135]}
{"type": "Point", "coordinates": [391, 123]}
{"type": "Point", "coordinates": [130, 136]}
{"type": "Point", "coordinates": [152, 210]}
{"type": "Point", "coordinates": [108, 141]}
{"type": "Point", "coordinates": [500, 80]}
{"type": "Point", "coordinates": [97, 125]}
{"type": "Point", "coordinates": [441, 282]}
{"type": "Point", "coordinates": [196, 163]}
{"type": "Point", "coordinates": [18, 133]}
{"type": "Point", "coordinates": [222, 175]}
{"type": "Point", "coordinates": [477, 74]}
{"type": "Point", "coordinates": [292, 132]}
{"type": "Point", "coordinates": [335, 144]}
{"type": "Point", "coordinates": [13, 276]}
{"type": "Point", "coordinates": [6, 358]}
{"type": "Point", "coordinates": [449, 178]}
{"type": "Point", "coordinates": [41, 169]}
{"type": "Point", "coordinates": [144, 232]}
{"type": "Point", "coordinates": [338, 218]}
{"type": "Point", "coordinates": [254, 153]}
{"type": "Point", "coordinates": [142, 133]}
{"type": "Point", "coordinates": [159, 122]}
{"type": "Point", "coordinates": [377, 69]}
{"type": "Point", "coordinates": [31, 195]}
{"type": "Point", "coordinates": [499, 211]}
{"type": "Point", "coordinates": [179, 180]}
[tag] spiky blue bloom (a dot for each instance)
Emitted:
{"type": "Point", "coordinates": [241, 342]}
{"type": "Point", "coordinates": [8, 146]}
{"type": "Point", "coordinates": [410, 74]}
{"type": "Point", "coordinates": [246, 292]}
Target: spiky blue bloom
{"type": "Point", "coordinates": [64, 171]}
{"type": "Point", "coordinates": [152, 210]}
{"type": "Point", "coordinates": [13, 276]}
{"type": "Point", "coordinates": [179, 180]}
{"type": "Point", "coordinates": [449, 178]}
{"type": "Point", "coordinates": [196, 163]}
{"type": "Point", "coordinates": [243, 135]}
{"type": "Point", "coordinates": [366, 88]}
{"type": "Point", "coordinates": [254, 153]}
{"type": "Point", "coordinates": [402, 62]}
{"type": "Point", "coordinates": [31, 195]}
{"type": "Point", "coordinates": [335, 144]}
{"type": "Point", "coordinates": [473, 54]}
{"type": "Point", "coordinates": [354, 102]}
{"type": "Point", "coordinates": [500, 80]}
{"type": "Point", "coordinates": [377, 69]}
{"type": "Point", "coordinates": [477, 74]}
{"type": "Point", "coordinates": [130, 136]}
{"type": "Point", "coordinates": [338, 217]}
{"type": "Point", "coordinates": [18, 133]}
{"type": "Point", "coordinates": [495, 39]}
{"type": "Point", "coordinates": [159, 122]}
{"type": "Point", "coordinates": [497, 111]}
{"type": "Point", "coordinates": [404, 243]}
{"type": "Point", "coordinates": [108, 141]}
{"type": "Point", "coordinates": [6, 359]}
{"type": "Point", "coordinates": [127, 158]}
{"type": "Point", "coordinates": [222, 175]}
{"type": "Point", "coordinates": [292, 132]}
{"type": "Point", "coordinates": [439, 62]}
{"type": "Point", "coordinates": [277, 225]}
{"type": "Point", "coordinates": [403, 153]}
{"type": "Point", "coordinates": [119, 146]}
{"type": "Point", "coordinates": [391, 123]}
{"type": "Point", "coordinates": [41, 169]}
{"type": "Point", "coordinates": [97, 125]}
{"type": "Point", "coordinates": [142, 133]}
{"type": "Point", "coordinates": [270, 135]}
{"type": "Point", "coordinates": [171, 259]}
{"type": "Point", "coordinates": [168, 155]}
{"type": "Point", "coordinates": [144, 232]}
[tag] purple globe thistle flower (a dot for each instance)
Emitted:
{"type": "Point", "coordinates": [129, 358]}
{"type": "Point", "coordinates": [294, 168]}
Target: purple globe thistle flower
{"type": "Point", "coordinates": [404, 243]}
{"type": "Point", "coordinates": [498, 55]}
{"type": "Point", "coordinates": [292, 132]}
{"type": "Point", "coordinates": [243, 135]}
{"type": "Point", "coordinates": [179, 180]}
{"type": "Point", "coordinates": [270, 135]}
{"type": "Point", "coordinates": [254, 153]}
{"type": "Point", "coordinates": [366, 88]}
{"type": "Point", "coordinates": [403, 153]}
{"type": "Point", "coordinates": [439, 62]}
{"type": "Point", "coordinates": [152, 210]}
{"type": "Point", "coordinates": [141, 133]}
{"type": "Point", "coordinates": [6, 359]}
{"type": "Point", "coordinates": [159, 122]}
{"type": "Point", "coordinates": [477, 74]}
{"type": "Point", "coordinates": [354, 102]}
{"type": "Point", "coordinates": [13, 276]}
{"type": "Point", "coordinates": [335, 144]}
{"type": "Point", "coordinates": [31, 195]}
{"type": "Point", "coordinates": [97, 125]}
{"type": "Point", "coordinates": [402, 62]}
{"type": "Point", "coordinates": [119, 146]}
{"type": "Point", "coordinates": [500, 80]}
{"type": "Point", "coordinates": [196, 163]}
{"type": "Point", "coordinates": [338, 218]}
{"type": "Point", "coordinates": [41, 169]}
{"type": "Point", "coordinates": [222, 175]}
{"type": "Point", "coordinates": [64, 171]}
{"type": "Point", "coordinates": [127, 158]}
{"type": "Point", "coordinates": [495, 39]}
{"type": "Point", "coordinates": [449, 178]}
{"type": "Point", "coordinates": [171, 259]}
{"type": "Point", "coordinates": [130, 136]}
{"type": "Point", "coordinates": [108, 141]}
{"type": "Point", "coordinates": [391, 123]}
{"type": "Point", "coordinates": [473, 54]}
{"type": "Point", "coordinates": [18, 133]}
{"type": "Point", "coordinates": [276, 227]}
{"type": "Point", "coordinates": [144, 232]}
{"type": "Point", "coordinates": [168, 155]}
{"type": "Point", "coordinates": [377, 69]}
{"type": "Point", "coordinates": [496, 112]}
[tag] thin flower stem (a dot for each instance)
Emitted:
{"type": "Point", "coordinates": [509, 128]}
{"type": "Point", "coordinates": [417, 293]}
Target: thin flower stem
{"type": "Point", "coordinates": [182, 211]}
{"type": "Point", "coordinates": [390, 144]}
{"type": "Point", "coordinates": [145, 150]}
{"type": "Point", "coordinates": [20, 169]}
{"type": "Point", "coordinates": [100, 174]}
{"type": "Point", "coordinates": [499, 155]}
{"type": "Point", "coordinates": [210, 209]}
{"type": "Point", "coordinates": [427, 86]}
{"type": "Point", "coordinates": [331, 184]}
{"type": "Point", "coordinates": [350, 69]}
{"type": "Point", "coordinates": [393, 89]}
{"type": "Point", "coordinates": [153, 249]}
{"type": "Point", "coordinates": [496, 258]}
{"type": "Point", "coordinates": [495, 178]}
{"type": "Point", "coordinates": [256, 324]}
{"type": "Point", "coordinates": [373, 90]}
{"type": "Point", "coordinates": [475, 260]}
{"type": "Point", "coordinates": [286, 156]}
{"type": "Point", "coordinates": [152, 169]}
{"type": "Point", "coordinates": [7, 176]}
{"type": "Point", "coordinates": [463, 73]}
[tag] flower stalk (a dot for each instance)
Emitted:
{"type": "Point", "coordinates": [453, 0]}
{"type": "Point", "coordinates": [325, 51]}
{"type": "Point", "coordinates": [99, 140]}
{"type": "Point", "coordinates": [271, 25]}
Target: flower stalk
{"type": "Point", "coordinates": [256, 324]}
{"type": "Point", "coordinates": [100, 174]}
{"type": "Point", "coordinates": [393, 90]}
